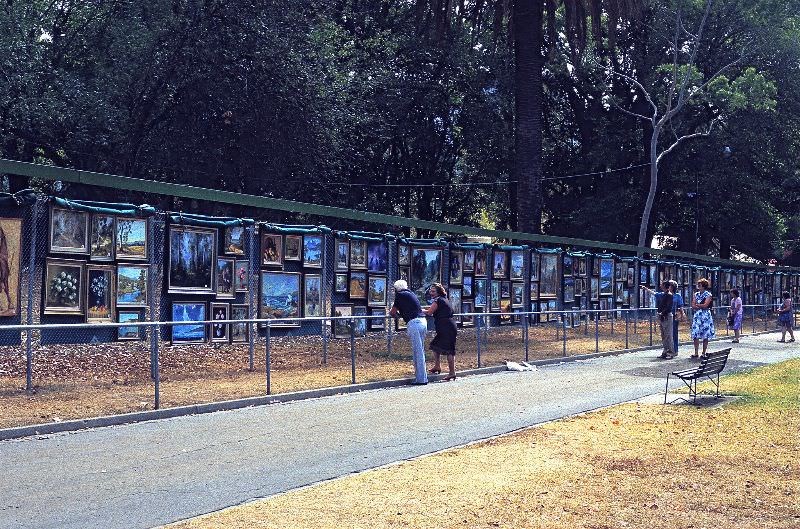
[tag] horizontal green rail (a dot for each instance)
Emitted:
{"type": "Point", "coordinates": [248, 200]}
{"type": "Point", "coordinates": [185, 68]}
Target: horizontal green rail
{"type": "Point", "coordinates": [49, 172]}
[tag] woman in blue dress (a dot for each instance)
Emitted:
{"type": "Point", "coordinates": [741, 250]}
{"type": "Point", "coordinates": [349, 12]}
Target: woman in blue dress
{"type": "Point", "coordinates": [703, 321]}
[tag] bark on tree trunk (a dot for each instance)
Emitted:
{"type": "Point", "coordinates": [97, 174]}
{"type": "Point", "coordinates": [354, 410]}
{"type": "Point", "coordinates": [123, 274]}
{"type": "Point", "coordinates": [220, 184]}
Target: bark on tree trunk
{"type": "Point", "coordinates": [528, 108]}
{"type": "Point", "coordinates": [651, 194]}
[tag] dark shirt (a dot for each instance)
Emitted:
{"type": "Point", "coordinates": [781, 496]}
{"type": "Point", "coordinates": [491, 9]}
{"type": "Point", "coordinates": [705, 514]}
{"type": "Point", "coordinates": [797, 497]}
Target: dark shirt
{"type": "Point", "coordinates": [407, 305]}
{"type": "Point", "coordinates": [443, 308]}
{"type": "Point", "coordinates": [664, 303]}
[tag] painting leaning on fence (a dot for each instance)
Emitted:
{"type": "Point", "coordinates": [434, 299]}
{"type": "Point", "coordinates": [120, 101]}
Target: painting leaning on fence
{"type": "Point", "coordinates": [10, 257]}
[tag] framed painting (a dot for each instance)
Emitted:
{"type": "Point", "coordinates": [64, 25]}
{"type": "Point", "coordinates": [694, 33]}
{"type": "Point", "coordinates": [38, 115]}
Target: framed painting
{"type": "Point", "coordinates": [403, 255]}
{"type": "Point", "coordinates": [499, 264]}
{"type": "Point", "coordinates": [293, 248]}
{"type": "Point", "coordinates": [377, 324]}
{"type": "Point", "coordinates": [69, 231]}
{"type": "Point", "coordinates": [505, 289]}
{"type": "Point", "coordinates": [376, 291]}
{"type": "Point", "coordinates": [341, 328]}
{"type": "Point", "coordinates": [517, 268]}
{"type": "Point", "coordinates": [241, 275]}
{"type": "Point", "coordinates": [576, 265]}
{"type": "Point", "coordinates": [10, 261]}
{"type": "Point", "coordinates": [467, 308]}
{"type": "Point", "coordinates": [342, 254]}
{"type": "Point", "coordinates": [426, 269]}
{"type": "Point", "coordinates": [534, 293]}
{"type": "Point", "coordinates": [569, 289]}
{"type": "Point", "coordinates": [606, 276]}
{"type": "Point", "coordinates": [129, 332]}
{"type": "Point", "coordinates": [220, 332]}
{"type": "Point", "coordinates": [240, 331]}
{"type": "Point", "coordinates": [360, 324]}
{"type": "Point", "coordinates": [535, 261]}
{"type": "Point", "coordinates": [579, 287]}
{"type": "Point", "coordinates": [340, 285]}
{"type": "Point", "coordinates": [131, 239]}
{"type": "Point", "coordinates": [131, 285]}
{"type": "Point", "coordinates": [480, 263]}
{"type": "Point", "coordinates": [189, 311]}
{"type": "Point", "coordinates": [567, 264]}
{"type": "Point", "coordinates": [358, 285]}
{"type": "Point", "coordinates": [643, 271]}
{"type": "Point", "coordinates": [631, 277]}
{"type": "Point", "coordinates": [226, 270]}
{"type": "Point", "coordinates": [312, 251]}
{"type": "Point", "coordinates": [192, 260]}
{"type": "Point", "coordinates": [454, 297]}
{"type": "Point", "coordinates": [312, 295]}
{"type": "Point", "coordinates": [404, 273]}
{"type": "Point", "coordinates": [358, 254]}
{"type": "Point", "coordinates": [619, 270]}
{"type": "Point", "coordinates": [63, 286]}
{"type": "Point", "coordinates": [467, 286]}
{"type": "Point", "coordinates": [469, 261]}
{"type": "Point", "coordinates": [517, 294]}
{"type": "Point", "coordinates": [548, 281]}
{"type": "Point", "coordinates": [234, 240]}
{"type": "Point", "coordinates": [619, 292]}
{"type": "Point", "coordinates": [581, 266]}
{"type": "Point", "coordinates": [100, 293]}
{"type": "Point", "coordinates": [280, 298]}
{"type": "Point", "coordinates": [101, 238]}
{"type": "Point", "coordinates": [376, 256]}
{"type": "Point", "coordinates": [480, 292]}
{"type": "Point", "coordinates": [595, 288]}
{"type": "Point", "coordinates": [271, 249]}
{"type": "Point", "coordinates": [456, 267]}
{"type": "Point", "coordinates": [494, 296]}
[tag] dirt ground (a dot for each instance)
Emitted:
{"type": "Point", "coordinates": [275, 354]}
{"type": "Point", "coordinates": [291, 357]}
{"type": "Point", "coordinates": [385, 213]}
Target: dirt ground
{"type": "Point", "coordinates": [90, 380]}
{"type": "Point", "coordinates": [631, 466]}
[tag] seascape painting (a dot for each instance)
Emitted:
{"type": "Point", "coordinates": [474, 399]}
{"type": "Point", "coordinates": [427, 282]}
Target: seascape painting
{"type": "Point", "coordinates": [239, 331]}
{"type": "Point", "coordinates": [341, 328]}
{"type": "Point", "coordinates": [403, 255]}
{"type": "Point", "coordinates": [99, 293]}
{"type": "Point", "coordinates": [342, 254]}
{"type": "Point", "coordinates": [312, 251]}
{"type": "Point", "coordinates": [499, 265]}
{"type": "Point", "coordinates": [69, 231]}
{"type": "Point", "coordinates": [131, 238]}
{"type": "Point", "coordinates": [480, 292]}
{"type": "Point", "coordinates": [467, 286]}
{"type": "Point", "coordinates": [480, 262]}
{"type": "Point", "coordinates": [220, 332]}
{"type": "Point", "coordinates": [192, 259]}
{"type": "Point", "coordinates": [358, 285]}
{"type": "Point", "coordinates": [132, 285]}
{"type": "Point", "coordinates": [341, 283]}
{"type": "Point", "coordinates": [226, 267]}
{"type": "Point", "coordinates": [63, 287]}
{"type": "Point", "coordinates": [280, 297]}
{"type": "Point", "coordinates": [376, 296]}
{"type": "Point", "coordinates": [376, 256]}
{"type": "Point", "coordinates": [360, 324]}
{"type": "Point", "coordinates": [358, 254]}
{"type": "Point", "coordinates": [101, 247]}
{"type": "Point", "coordinates": [312, 295]}
{"type": "Point", "coordinates": [548, 281]}
{"type": "Point", "coordinates": [293, 248]}
{"type": "Point", "coordinates": [517, 265]}
{"type": "Point", "coordinates": [129, 332]}
{"type": "Point", "coordinates": [426, 269]}
{"type": "Point", "coordinates": [606, 276]}
{"type": "Point", "coordinates": [10, 260]}
{"type": "Point", "coordinates": [456, 267]}
{"type": "Point", "coordinates": [241, 276]}
{"type": "Point", "coordinates": [188, 311]}
{"type": "Point", "coordinates": [271, 249]}
{"type": "Point", "coordinates": [234, 240]}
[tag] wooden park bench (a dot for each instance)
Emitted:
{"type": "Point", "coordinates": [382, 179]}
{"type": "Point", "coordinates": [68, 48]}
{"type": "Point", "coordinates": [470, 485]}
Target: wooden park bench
{"type": "Point", "coordinates": [711, 365]}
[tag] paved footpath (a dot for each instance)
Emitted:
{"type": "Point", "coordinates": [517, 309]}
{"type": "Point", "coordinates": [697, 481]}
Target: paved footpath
{"type": "Point", "coordinates": [152, 473]}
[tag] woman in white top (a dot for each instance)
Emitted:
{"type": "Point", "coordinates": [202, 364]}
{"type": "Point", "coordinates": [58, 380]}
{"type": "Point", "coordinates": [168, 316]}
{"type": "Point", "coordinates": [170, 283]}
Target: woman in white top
{"type": "Point", "coordinates": [735, 313]}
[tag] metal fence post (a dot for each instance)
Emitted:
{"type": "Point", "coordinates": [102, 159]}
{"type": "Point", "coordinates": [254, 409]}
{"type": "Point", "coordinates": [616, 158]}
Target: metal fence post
{"type": "Point", "coordinates": [564, 334]}
{"type": "Point", "coordinates": [478, 337]}
{"type": "Point", "coordinates": [613, 315]}
{"type": "Point", "coordinates": [31, 279]}
{"type": "Point", "coordinates": [353, 351]}
{"type": "Point", "coordinates": [251, 328]}
{"type": "Point", "coordinates": [267, 333]}
{"type": "Point", "coordinates": [525, 329]}
{"type": "Point", "coordinates": [650, 317]}
{"type": "Point", "coordinates": [754, 319]}
{"type": "Point", "coordinates": [324, 294]}
{"type": "Point", "coordinates": [157, 379]}
{"type": "Point", "coordinates": [596, 332]}
{"type": "Point", "coordinates": [626, 330]}
{"type": "Point", "coordinates": [765, 316]}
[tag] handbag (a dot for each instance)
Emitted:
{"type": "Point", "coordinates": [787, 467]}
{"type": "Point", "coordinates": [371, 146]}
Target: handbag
{"type": "Point", "coordinates": [730, 321]}
{"type": "Point", "coordinates": [680, 315]}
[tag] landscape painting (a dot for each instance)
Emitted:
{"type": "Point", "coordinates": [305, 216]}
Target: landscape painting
{"type": "Point", "coordinates": [499, 266]}
{"type": "Point", "coordinates": [312, 295]}
{"type": "Point", "coordinates": [341, 328]}
{"type": "Point", "coordinates": [454, 296]}
{"type": "Point", "coordinates": [293, 248]}
{"type": "Point", "coordinates": [467, 285]}
{"type": "Point", "coordinates": [358, 254]}
{"type": "Point", "coordinates": [131, 285]}
{"type": "Point", "coordinates": [99, 293]}
{"type": "Point", "coordinates": [239, 331]}
{"type": "Point", "coordinates": [517, 294]}
{"type": "Point", "coordinates": [535, 263]}
{"type": "Point", "coordinates": [548, 282]}
{"type": "Point", "coordinates": [360, 324]}
{"type": "Point", "coordinates": [69, 231]}
{"type": "Point", "coordinates": [517, 265]}
{"type": "Point", "coordinates": [480, 263]}
{"type": "Point", "coordinates": [606, 276]}
{"type": "Point", "coordinates": [469, 261]}
{"type": "Point", "coordinates": [220, 332]}
{"type": "Point", "coordinates": [494, 296]}
{"type": "Point", "coordinates": [376, 296]}
{"type": "Point", "coordinates": [241, 276]}
{"type": "Point", "coordinates": [129, 332]}
{"type": "Point", "coordinates": [188, 311]}
{"type": "Point", "coordinates": [456, 267]}
{"type": "Point", "coordinates": [376, 256]}
{"type": "Point", "coordinates": [234, 240]}
{"type": "Point", "coordinates": [342, 254]}
{"type": "Point", "coordinates": [271, 249]}
{"type": "Point", "coordinates": [312, 251]}
{"type": "Point", "coordinates": [480, 292]}
{"type": "Point", "coordinates": [226, 267]}
{"type": "Point", "coordinates": [358, 285]}
{"type": "Point", "coordinates": [131, 238]}
{"type": "Point", "coordinates": [341, 283]}
{"type": "Point", "coordinates": [280, 297]}
{"type": "Point", "coordinates": [192, 260]}
{"type": "Point", "coordinates": [569, 289]}
{"type": "Point", "coordinates": [101, 246]}
{"type": "Point", "coordinates": [426, 269]}
{"type": "Point", "coordinates": [63, 287]}
{"type": "Point", "coordinates": [10, 260]}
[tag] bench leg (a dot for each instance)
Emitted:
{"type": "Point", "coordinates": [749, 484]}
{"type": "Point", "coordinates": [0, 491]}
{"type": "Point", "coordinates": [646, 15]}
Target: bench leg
{"type": "Point", "coordinates": [666, 389]}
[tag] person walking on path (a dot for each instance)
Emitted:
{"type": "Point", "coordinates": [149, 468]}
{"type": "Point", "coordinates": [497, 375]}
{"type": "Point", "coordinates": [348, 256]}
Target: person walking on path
{"type": "Point", "coordinates": [702, 321]}
{"type": "Point", "coordinates": [664, 310]}
{"type": "Point", "coordinates": [407, 306]}
{"type": "Point", "coordinates": [785, 315]}
{"type": "Point", "coordinates": [445, 341]}
{"type": "Point", "coordinates": [735, 314]}
{"type": "Point", "coordinates": [678, 315]}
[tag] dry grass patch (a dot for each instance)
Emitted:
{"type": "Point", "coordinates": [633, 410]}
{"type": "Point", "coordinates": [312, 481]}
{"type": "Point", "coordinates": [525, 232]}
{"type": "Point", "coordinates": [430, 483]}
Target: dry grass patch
{"type": "Point", "coordinates": [631, 466]}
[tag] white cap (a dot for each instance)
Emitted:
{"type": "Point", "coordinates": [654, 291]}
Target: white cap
{"type": "Point", "coordinates": [400, 284]}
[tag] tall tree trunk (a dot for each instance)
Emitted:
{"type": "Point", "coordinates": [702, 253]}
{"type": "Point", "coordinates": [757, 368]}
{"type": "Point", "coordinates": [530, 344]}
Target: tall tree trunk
{"type": "Point", "coordinates": [529, 94]}
{"type": "Point", "coordinates": [651, 194]}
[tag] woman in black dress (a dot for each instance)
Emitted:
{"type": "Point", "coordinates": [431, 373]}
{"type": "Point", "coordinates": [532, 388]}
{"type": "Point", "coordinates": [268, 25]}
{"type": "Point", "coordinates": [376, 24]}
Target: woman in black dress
{"type": "Point", "coordinates": [445, 341]}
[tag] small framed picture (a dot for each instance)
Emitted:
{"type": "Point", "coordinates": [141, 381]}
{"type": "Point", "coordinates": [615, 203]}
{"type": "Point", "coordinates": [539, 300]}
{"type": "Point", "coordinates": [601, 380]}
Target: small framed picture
{"type": "Point", "coordinates": [456, 267]}
{"type": "Point", "coordinates": [376, 296]}
{"type": "Point", "coordinates": [240, 331]}
{"type": "Point", "coordinates": [377, 324]}
{"type": "Point", "coordinates": [403, 255]}
{"type": "Point", "coordinates": [271, 249]}
{"type": "Point", "coordinates": [69, 231]}
{"type": "Point", "coordinates": [312, 251]}
{"type": "Point", "coordinates": [341, 283]}
{"type": "Point", "coordinates": [342, 254]}
{"type": "Point", "coordinates": [469, 261]}
{"type": "Point", "coordinates": [130, 332]}
{"type": "Point", "coordinates": [341, 328]}
{"type": "Point", "coordinates": [220, 332]}
{"type": "Point", "coordinates": [517, 294]}
{"type": "Point", "coordinates": [226, 267]}
{"type": "Point", "coordinates": [100, 295]}
{"type": "Point", "coordinates": [505, 289]}
{"type": "Point", "coordinates": [312, 295]}
{"type": "Point", "coordinates": [404, 273]}
{"type": "Point", "coordinates": [241, 277]}
{"type": "Point", "coordinates": [466, 308]}
{"type": "Point", "coordinates": [499, 264]}
{"type": "Point", "coordinates": [132, 285]}
{"type": "Point", "coordinates": [358, 285]}
{"type": "Point", "coordinates": [63, 287]}
{"type": "Point", "coordinates": [360, 324]}
{"type": "Point", "coordinates": [358, 254]}
{"type": "Point", "coordinates": [480, 263]}
{"type": "Point", "coordinates": [189, 311]}
{"type": "Point", "coordinates": [234, 240]}
{"type": "Point", "coordinates": [516, 271]}
{"type": "Point", "coordinates": [467, 286]}
{"type": "Point", "coordinates": [101, 247]}
{"type": "Point", "coordinates": [131, 240]}
{"type": "Point", "coordinates": [292, 250]}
